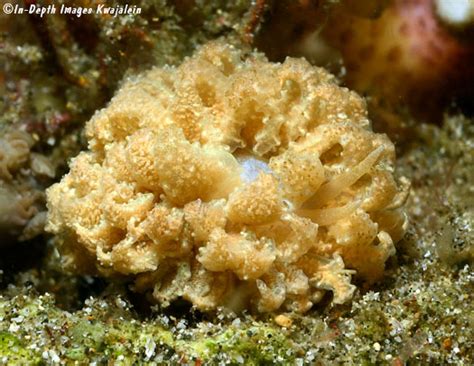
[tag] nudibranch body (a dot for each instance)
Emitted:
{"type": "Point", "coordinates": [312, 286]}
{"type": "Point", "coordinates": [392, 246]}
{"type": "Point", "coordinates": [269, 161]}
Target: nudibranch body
{"type": "Point", "coordinates": [232, 181]}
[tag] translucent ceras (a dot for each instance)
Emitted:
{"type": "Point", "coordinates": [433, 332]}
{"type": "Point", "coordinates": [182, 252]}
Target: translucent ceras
{"type": "Point", "coordinates": [232, 181]}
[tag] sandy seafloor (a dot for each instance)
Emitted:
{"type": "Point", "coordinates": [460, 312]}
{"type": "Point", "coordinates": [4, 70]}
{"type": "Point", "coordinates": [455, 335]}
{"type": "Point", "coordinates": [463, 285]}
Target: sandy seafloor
{"type": "Point", "coordinates": [421, 313]}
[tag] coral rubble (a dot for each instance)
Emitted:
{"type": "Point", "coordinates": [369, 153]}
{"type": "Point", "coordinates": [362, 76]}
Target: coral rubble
{"type": "Point", "coordinates": [232, 181]}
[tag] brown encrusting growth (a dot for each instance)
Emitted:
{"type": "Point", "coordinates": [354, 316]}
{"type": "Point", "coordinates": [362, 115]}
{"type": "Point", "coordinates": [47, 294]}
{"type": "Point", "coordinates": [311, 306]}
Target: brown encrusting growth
{"type": "Point", "coordinates": [232, 181]}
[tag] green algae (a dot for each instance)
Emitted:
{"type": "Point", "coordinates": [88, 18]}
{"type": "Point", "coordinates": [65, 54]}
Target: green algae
{"type": "Point", "coordinates": [13, 351]}
{"type": "Point", "coordinates": [419, 317]}
{"type": "Point", "coordinates": [106, 329]}
{"type": "Point", "coordinates": [256, 345]}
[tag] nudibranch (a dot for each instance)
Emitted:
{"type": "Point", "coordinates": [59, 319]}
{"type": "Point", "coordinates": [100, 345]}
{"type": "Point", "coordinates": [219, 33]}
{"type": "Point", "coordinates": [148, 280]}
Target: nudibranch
{"type": "Point", "coordinates": [232, 181]}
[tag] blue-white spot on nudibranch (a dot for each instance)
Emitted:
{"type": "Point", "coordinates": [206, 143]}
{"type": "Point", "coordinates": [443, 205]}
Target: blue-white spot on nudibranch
{"type": "Point", "coordinates": [251, 169]}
